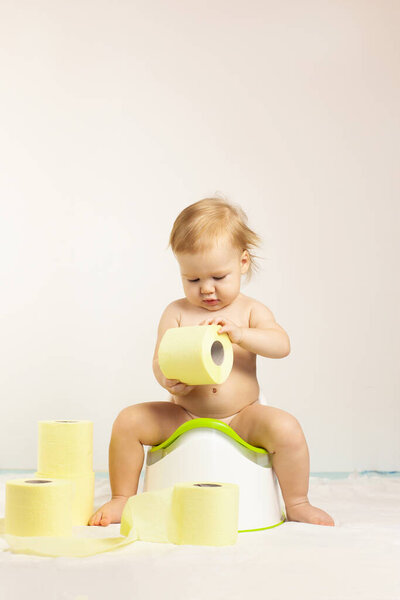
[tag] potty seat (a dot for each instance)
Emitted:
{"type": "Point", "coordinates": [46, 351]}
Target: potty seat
{"type": "Point", "coordinates": [209, 450]}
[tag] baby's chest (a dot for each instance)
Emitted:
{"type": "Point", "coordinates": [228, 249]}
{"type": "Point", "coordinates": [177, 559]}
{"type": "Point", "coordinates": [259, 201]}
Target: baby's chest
{"type": "Point", "coordinates": [240, 318]}
{"type": "Point", "coordinates": [244, 361]}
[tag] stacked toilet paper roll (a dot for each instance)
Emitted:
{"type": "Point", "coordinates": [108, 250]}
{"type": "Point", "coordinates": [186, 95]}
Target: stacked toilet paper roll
{"type": "Point", "coordinates": [194, 513]}
{"type": "Point", "coordinates": [196, 355]}
{"type": "Point", "coordinates": [65, 451]}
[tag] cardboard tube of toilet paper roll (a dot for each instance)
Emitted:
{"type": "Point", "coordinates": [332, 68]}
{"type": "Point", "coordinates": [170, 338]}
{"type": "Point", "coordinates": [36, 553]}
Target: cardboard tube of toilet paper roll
{"type": "Point", "coordinates": [196, 513]}
{"type": "Point", "coordinates": [38, 507]}
{"type": "Point", "coordinates": [196, 355]}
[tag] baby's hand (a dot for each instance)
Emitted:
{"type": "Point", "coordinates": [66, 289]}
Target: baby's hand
{"type": "Point", "coordinates": [178, 388]}
{"type": "Point", "coordinates": [234, 332]}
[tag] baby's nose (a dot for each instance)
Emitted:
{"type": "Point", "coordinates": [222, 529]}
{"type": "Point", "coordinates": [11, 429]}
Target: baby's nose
{"type": "Point", "coordinates": [207, 288]}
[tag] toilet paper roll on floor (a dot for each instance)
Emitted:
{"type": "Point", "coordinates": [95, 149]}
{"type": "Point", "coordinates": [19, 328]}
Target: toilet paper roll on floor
{"type": "Point", "coordinates": [38, 507]}
{"type": "Point", "coordinates": [196, 355]}
{"type": "Point", "coordinates": [82, 501]}
{"type": "Point", "coordinates": [195, 513]}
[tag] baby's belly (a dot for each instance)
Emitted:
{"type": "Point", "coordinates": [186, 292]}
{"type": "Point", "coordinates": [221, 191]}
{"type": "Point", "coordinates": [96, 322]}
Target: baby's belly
{"type": "Point", "coordinates": [216, 401]}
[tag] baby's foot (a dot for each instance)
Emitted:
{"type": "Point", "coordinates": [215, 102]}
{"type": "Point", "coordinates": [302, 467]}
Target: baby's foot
{"type": "Point", "coordinates": [304, 512]}
{"type": "Point", "coordinates": [109, 513]}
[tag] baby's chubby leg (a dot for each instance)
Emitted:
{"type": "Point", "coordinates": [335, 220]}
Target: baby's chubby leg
{"type": "Point", "coordinates": [281, 434]}
{"type": "Point", "coordinates": [148, 423]}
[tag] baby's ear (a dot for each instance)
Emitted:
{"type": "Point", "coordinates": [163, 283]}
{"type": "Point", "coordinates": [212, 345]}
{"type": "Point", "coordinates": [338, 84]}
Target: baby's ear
{"type": "Point", "coordinates": [244, 262]}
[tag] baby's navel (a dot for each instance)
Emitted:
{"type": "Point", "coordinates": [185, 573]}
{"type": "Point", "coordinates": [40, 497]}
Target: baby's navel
{"type": "Point", "coordinates": [214, 390]}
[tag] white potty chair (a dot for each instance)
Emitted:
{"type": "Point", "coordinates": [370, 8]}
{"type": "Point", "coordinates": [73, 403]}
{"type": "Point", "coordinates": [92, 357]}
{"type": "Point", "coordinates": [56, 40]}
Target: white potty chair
{"type": "Point", "coordinates": [208, 450]}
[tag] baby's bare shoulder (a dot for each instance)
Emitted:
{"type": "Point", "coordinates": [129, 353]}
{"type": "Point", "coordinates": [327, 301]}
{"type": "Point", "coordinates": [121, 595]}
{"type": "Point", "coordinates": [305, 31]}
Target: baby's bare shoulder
{"type": "Point", "coordinates": [257, 311]}
{"type": "Point", "coordinates": [246, 300]}
{"type": "Point", "coordinates": [240, 310]}
{"type": "Point", "coordinates": [250, 303]}
{"type": "Point", "coordinates": [181, 302]}
{"type": "Point", "coordinates": [262, 317]}
{"type": "Point", "coordinates": [179, 308]}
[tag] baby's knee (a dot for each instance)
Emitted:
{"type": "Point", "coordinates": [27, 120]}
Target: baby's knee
{"type": "Point", "coordinates": [127, 420]}
{"type": "Point", "coordinates": [288, 431]}
{"type": "Point", "coordinates": [148, 422]}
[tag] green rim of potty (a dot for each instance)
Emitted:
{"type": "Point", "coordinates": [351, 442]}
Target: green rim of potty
{"type": "Point", "coordinates": [264, 528]}
{"type": "Point", "coordinates": [211, 424]}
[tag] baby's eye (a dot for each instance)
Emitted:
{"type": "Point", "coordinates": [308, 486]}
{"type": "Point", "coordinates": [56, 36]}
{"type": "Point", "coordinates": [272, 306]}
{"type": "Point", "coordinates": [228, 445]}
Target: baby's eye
{"type": "Point", "coordinates": [192, 280]}
{"type": "Point", "coordinates": [218, 278]}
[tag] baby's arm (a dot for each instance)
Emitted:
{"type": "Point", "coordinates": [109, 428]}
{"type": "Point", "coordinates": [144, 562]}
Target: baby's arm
{"type": "Point", "coordinates": [169, 319]}
{"type": "Point", "coordinates": [263, 336]}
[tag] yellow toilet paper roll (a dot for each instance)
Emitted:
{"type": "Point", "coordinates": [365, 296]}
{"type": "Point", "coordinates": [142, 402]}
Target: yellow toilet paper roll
{"type": "Point", "coordinates": [196, 513]}
{"type": "Point", "coordinates": [65, 448]}
{"type": "Point", "coordinates": [196, 355]}
{"type": "Point", "coordinates": [38, 507]}
{"type": "Point", "coordinates": [82, 495]}
{"type": "Point", "coordinates": [204, 514]}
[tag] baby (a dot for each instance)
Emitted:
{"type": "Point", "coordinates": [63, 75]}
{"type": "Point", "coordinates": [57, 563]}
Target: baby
{"type": "Point", "coordinates": [212, 244]}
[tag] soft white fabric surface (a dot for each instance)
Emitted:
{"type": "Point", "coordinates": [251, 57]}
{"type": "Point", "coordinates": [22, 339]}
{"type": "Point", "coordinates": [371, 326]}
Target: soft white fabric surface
{"type": "Point", "coordinates": [357, 559]}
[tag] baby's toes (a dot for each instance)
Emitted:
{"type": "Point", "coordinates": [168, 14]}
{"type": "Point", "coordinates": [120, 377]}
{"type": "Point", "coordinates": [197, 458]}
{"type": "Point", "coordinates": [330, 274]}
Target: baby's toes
{"type": "Point", "coordinates": [105, 520]}
{"type": "Point", "coordinates": [327, 520]}
{"type": "Point", "coordinates": [95, 520]}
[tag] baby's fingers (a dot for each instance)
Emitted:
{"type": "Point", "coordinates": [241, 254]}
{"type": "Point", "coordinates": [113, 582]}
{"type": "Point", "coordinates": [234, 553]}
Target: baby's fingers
{"type": "Point", "coordinates": [187, 389]}
{"type": "Point", "coordinates": [179, 388]}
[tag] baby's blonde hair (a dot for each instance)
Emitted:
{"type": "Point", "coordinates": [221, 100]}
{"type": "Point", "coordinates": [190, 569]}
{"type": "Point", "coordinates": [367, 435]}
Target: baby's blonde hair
{"type": "Point", "coordinates": [200, 224]}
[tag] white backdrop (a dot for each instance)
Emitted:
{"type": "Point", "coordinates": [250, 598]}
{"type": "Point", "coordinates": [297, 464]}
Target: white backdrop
{"type": "Point", "coordinates": [116, 115]}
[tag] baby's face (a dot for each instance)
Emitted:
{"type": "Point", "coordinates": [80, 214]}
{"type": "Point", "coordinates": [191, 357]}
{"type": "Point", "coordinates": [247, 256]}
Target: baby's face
{"type": "Point", "coordinates": [211, 279]}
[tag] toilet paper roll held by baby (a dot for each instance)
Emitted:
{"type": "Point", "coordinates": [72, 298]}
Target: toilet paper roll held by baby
{"type": "Point", "coordinates": [196, 355]}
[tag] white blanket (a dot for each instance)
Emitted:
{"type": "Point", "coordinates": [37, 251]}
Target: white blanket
{"type": "Point", "coordinates": [357, 559]}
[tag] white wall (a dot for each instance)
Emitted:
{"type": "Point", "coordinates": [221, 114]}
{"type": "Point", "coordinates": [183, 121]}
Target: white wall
{"type": "Point", "coordinates": [116, 115]}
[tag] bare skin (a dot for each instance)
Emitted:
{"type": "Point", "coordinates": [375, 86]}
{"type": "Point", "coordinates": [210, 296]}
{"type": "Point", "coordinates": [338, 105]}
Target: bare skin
{"type": "Point", "coordinates": [147, 424]}
{"type": "Point", "coordinates": [252, 330]}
